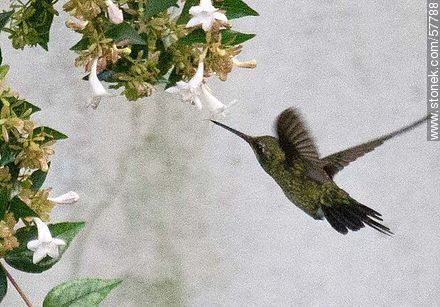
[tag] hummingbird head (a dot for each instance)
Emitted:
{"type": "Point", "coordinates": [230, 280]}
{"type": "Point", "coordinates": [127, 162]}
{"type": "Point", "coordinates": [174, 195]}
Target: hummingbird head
{"type": "Point", "coordinates": [266, 147]}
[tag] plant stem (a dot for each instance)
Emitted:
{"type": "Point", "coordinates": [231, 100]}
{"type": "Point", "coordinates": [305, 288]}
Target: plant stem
{"type": "Point", "coordinates": [17, 287]}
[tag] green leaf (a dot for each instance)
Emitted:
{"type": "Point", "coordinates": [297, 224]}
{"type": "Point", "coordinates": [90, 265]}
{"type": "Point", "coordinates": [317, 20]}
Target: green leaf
{"type": "Point", "coordinates": [83, 44]}
{"type": "Point", "coordinates": [20, 209]}
{"type": "Point", "coordinates": [4, 201]}
{"type": "Point", "coordinates": [185, 16]}
{"type": "Point", "coordinates": [20, 258]}
{"type": "Point", "coordinates": [80, 292]}
{"type": "Point", "coordinates": [56, 135]}
{"type": "Point", "coordinates": [232, 38]}
{"type": "Point", "coordinates": [165, 59]}
{"type": "Point", "coordinates": [7, 155]}
{"type": "Point", "coordinates": [38, 178]}
{"type": "Point", "coordinates": [196, 36]}
{"type": "Point", "coordinates": [41, 20]}
{"type": "Point", "coordinates": [3, 71]}
{"type": "Point", "coordinates": [4, 18]}
{"type": "Point", "coordinates": [22, 106]}
{"type": "Point", "coordinates": [124, 32]}
{"type": "Point", "coordinates": [3, 284]}
{"type": "Point", "coordinates": [235, 9]}
{"type": "Point", "coordinates": [154, 7]}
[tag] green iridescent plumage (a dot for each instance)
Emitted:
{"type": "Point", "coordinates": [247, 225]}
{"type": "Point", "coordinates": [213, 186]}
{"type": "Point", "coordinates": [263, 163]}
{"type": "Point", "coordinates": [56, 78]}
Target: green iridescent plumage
{"type": "Point", "coordinates": [292, 160]}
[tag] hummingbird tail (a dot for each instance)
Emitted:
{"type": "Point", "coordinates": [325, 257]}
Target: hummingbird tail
{"type": "Point", "coordinates": [353, 216]}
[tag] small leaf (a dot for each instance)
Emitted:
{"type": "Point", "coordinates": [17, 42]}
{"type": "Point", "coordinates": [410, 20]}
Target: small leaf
{"type": "Point", "coordinates": [20, 209]}
{"type": "Point", "coordinates": [165, 59]}
{"type": "Point", "coordinates": [196, 36]}
{"type": "Point", "coordinates": [124, 32]}
{"type": "Point", "coordinates": [232, 38]}
{"type": "Point", "coordinates": [38, 178]}
{"type": "Point", "coordinates": [4, 17]}
{"type": "Point", "coordinates": [20, 258]}
{"type": "Point", "coordinates": [83, 44]}
{"type": "Point", "coordinates": [3, 71]}
{"type": "Point", "coordinates": [7, 155]}
{"type": "Point", "coordinates": [3, 284]}
{"type": "Point", "coordinates": [4, 201]}
{"type": "Point", "coordinates": [154, 7]}
{"type": "Point", "coordinates": [22, 107]}
{"type": "Point", "coordinates": [41, 20]}
{"type": "Point", "coordinates": [56, 135]}
{"type": "Point", "coordinates": [235, 9]}
{"type": "Point", "coordinates": [80, 292]}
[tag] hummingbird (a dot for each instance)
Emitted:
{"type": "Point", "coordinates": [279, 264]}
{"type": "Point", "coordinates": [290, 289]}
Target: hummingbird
{"type": "Point", "coordinates": [293, 161]}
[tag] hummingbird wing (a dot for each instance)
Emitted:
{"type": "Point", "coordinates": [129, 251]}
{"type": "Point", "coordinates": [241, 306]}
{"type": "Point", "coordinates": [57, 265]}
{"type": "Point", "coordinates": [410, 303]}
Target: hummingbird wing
{"type": "Point", "coordinates": [337, 161]}
{"type": "Point", "coordinates": [297, 142]}
{"type": "Point", "coordinates": [295, 139]}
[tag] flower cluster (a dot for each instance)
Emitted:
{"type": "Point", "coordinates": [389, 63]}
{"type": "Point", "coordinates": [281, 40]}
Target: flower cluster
{"type": "Point", "coordinates": [138, 45]}
{"type": "Point", "coordinates": [25, 150]}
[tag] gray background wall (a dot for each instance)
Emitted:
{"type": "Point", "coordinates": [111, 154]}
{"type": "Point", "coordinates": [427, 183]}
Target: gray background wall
{"type": "Point", "coordinates": [181, 209]}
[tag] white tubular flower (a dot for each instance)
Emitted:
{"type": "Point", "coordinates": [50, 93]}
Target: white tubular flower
{"type": "Point", "coordinates": [67, 198]}
{"type": "Point", "coordinates": [214, 105]}
{"type": "Point", "coordinates": [205, 14]}
{"type": "Point", "coordinates": [98, 89]}
{"type": "Point", "coordinates": [190, 91]}
{"type": "Point", "coordinates": [195, 89]}
{"type": "Point", "coordinates": [45, 245]}
{"type": "Point", "coordinates": [114, 12]}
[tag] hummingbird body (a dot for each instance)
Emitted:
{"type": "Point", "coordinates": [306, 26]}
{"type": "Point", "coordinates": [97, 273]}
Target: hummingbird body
{"type": "Point", "coordinates": [293, 162]}
{"type": "Point", "coordinates": [299, 188]}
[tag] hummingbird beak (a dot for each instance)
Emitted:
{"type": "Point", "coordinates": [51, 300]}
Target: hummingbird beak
{"type": "Point", "coordinates": [245, 137]}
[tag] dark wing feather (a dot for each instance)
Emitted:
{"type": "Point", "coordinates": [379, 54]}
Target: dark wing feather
{"type": "Point", "coordinates": [353, 216]}
{"type": "Point", "coordinates": [337, 161]}
{"type": "Point", "coordinates": [296, 142]}
{"type": "Point", "coordinates": [294, 137]}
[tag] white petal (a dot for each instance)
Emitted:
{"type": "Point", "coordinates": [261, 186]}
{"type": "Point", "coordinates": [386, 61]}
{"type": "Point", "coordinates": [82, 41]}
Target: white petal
{"type": "Point", "coordinates": [52, 251]}
{"type": "Point", "coordinates": [196, 10]}
{"type": "Point", "coordinates": [214, 105]}
{"type": "Point", "coordinates": [207, 24]}
{"type": "Point", "coordinates": [44, 234]}
{"type": "Point", "coordinates": [67, 198]}
{"type": "Point", "coordinates": [219, 16]}
{"type": "Point", "coordinates": [172, 90]}
{"type": "Point", "coordinates": [33, 245]}
{"type": "Point", "coordinates": [182, 85]}
{"type": "Point", "coordinates": [187, 96]}
{"type": "Point", "coordinates": [114, 12]}
{"type": "Point", "coordinates": [197, 102]}
{"type": "Point", "coordinates": [97, 87]}
{"type": "Point", "coordinates": [58, 242]}
{"type": "Point", "coordinates": [195, 21]}
{"type": "Point", "coordinates": [196, 80]}
{"type": "Point", "coordinates": [207, 6]}
{"type": "Point", "coordinates": [39, 255]}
